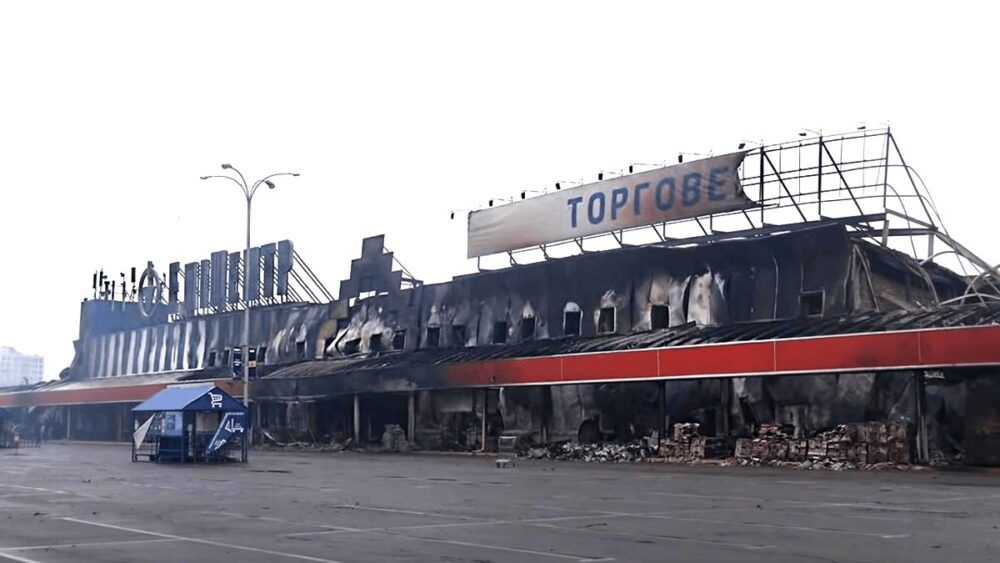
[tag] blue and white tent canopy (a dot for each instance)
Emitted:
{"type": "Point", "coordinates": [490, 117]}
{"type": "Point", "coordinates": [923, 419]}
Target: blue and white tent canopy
{"type": "Point", "coordinates": [191, 398]}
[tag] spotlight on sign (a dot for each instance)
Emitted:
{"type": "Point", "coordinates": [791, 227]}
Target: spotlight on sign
{"type": "Point", "coordinates": [600, 176]}
{"type": "Point", "coordinates": [629, 168]}
{"type": "Point", "coordinates": [522, 194]}
{"type": "Point", "coordinates": [680, 158]}
{"type": "Point", "coordinates": [558, 187]}
{"type": "Point", "coordinates": [741, 146]}
{"type": "Point", "coordinates": [452, 214]}
{"type": "Point", "coordinates": [491, 203]}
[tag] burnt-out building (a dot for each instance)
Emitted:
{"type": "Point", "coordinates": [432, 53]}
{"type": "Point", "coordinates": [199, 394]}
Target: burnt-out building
{"type": "Point", "coordinates": [811, 323]}
{"type": "Point", "coordinates": [401, 342]}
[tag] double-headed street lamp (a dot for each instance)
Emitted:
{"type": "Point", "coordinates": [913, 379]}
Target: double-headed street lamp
{"type": "Point", "coordinates": [248, 191]}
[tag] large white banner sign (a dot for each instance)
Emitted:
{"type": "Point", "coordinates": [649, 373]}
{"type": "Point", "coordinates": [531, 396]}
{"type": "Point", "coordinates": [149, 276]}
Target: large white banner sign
{"type": "Point", "coordinates": [701, 187]}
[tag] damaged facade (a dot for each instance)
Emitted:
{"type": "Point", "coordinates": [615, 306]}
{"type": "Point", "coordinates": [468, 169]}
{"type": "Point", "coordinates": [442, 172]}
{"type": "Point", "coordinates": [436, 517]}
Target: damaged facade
{"type": "Point", "coordinates": [380, 356]}
{"type": "Point", "coordinates": [808, 325]}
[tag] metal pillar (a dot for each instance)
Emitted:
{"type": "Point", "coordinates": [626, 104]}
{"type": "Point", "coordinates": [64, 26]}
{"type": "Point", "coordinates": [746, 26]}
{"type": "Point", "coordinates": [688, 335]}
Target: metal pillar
{"type": "Point", "coordinates": [726, 386]}
{"type": "Point", "coordinates": [920, 414]}
{"type": "Point", "coordinates": [486, 404]}
{"type": "Point", "coordinates": [662, 400]}
{"type": "Point", "coordinates": [411, 417]}
{"type": "Point", "coordinates": [357, 419]}
{"type": "Point", "coordinates": [69, 415]}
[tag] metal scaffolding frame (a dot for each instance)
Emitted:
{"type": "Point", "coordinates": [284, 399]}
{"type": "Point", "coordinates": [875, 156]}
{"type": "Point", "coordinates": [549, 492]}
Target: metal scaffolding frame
{"type": "Point", "coordinates": [859, 179]}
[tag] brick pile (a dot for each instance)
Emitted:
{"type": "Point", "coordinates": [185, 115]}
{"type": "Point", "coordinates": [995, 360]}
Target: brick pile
{"type": "Point", "coordinates": [851, 445]}
{"type": "Point", "coordinates": [686, 444]}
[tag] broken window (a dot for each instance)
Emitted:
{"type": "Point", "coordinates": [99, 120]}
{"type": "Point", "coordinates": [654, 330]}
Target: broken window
{"type": "Point", "coordinates": [342, 324]}
{"type": "Point", "coordinates": [262, 355]}
{"type": "Point", "coordinates": [500, 332]}
{"type": "Point", "coordinates": [433, 337]}
{"type": "Point", "coordinates": [300, 350]}
{"type": "Point", "coordinates": [398, 339]}
{"type": "Point", "coordinates": [527, 329]}
{"type": "Point", "coordinates": [375, 343]}
{"type": "Point", "coordinates": [458, 335]}
{"type": "Point", "coordinates": [225, 357]}
{"type": "Point", "coordinates": [211, 359]}
{"type": "Point", "coordinates": [352, 346]}
{"type": "Point", "coordinates": [811, 304]}
{"type": "Point", "coordinates": [571, 323]}
{"type": "Point", "coordinates": [659, 317]}
{"type": "Point", "coordinates": [606, 320]}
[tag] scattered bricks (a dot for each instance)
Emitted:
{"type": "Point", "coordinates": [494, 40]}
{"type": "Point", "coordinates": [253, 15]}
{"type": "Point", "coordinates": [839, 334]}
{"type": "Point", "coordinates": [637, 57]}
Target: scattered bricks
{"type": "Point", "coordinates": [798, 450]}
{"type": "Point", "coordinates": [685, 431]}
{"type": "Point", "coordinates": [847, 446]}
{"type": "Point", "coordinates": [817, 448]}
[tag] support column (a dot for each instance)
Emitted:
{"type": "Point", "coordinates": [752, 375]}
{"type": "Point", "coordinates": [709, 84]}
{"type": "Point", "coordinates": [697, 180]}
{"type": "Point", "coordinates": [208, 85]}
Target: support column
{"type": "Point", "coordinates": [920, 414]}
{"type": "Point", "coordinates": [411, 417]}
{"type": "Point", "coordinates": [69, 416]}
{"type": "Point", "coordinates": [486, 413]}
{"type": "Point", "coordinates": [357, 419]}
{"type": "Point", "coordinates": [726, 386]}
{"type": "Point", "coordinates": [661, 426]}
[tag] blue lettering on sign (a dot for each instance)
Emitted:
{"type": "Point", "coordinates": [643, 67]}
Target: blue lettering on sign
{"type": "Point", "coordinates": [715, 184]}
{"type": "Point", "coordinates": [661, 204]}
{"type": "Point", "coordinates": [637, 199]}
{"type": "Point", "coordinates": [573, 202]}
{"type": "Point", "coordinates": [593, 217]}
{"type": "Point", "coordinates": [691, 192]}
{"type": "Point", "coordinates": [686, 190]}
{"type": "Point", "coordinates": [619, 197]}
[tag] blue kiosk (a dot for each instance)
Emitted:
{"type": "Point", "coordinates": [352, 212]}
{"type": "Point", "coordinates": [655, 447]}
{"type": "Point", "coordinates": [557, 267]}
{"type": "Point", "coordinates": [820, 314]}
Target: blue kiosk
{"type": "Point", "coordinates": [194, 423]}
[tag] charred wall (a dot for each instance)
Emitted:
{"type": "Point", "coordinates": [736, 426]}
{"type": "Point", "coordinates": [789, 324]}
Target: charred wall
{"type": "Point", "coordinates": [614, 292]}
{"type": "Point", "coordinates": [287, 333]}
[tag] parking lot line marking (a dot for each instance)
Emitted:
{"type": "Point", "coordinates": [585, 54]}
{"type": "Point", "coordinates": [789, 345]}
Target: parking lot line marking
{"type": "Point", "coordinates": [47, 491]}
{"type": "Point", "coordinates": [647, 536]}
{"type": "Point", "coordinates": [664, 516]}
{"type": "Point", "coordinates": [18, 558]}
{"type": "Point", "coordinates": [37, 489]}
{"type": "Point", "coordinates": [552, 554]}
{"type": "Point", "coordinates": [201, 541]}
{"type": "Point", "coordinates": [281, 521]}
{"type": "Point", "coordinates": [398, 511]}
{"type": "Point", "coordinates": [84, 544]}
{"type": "Point", "coordinates": [454, 525]}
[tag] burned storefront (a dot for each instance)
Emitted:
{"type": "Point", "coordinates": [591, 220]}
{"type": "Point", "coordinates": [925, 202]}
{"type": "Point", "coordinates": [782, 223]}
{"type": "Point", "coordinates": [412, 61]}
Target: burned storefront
{"type": "Point", "coordinates": [730, 292]}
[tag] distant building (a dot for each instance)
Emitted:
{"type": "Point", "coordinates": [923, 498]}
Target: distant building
{"type": "Point", "coordinates": [17, 368]}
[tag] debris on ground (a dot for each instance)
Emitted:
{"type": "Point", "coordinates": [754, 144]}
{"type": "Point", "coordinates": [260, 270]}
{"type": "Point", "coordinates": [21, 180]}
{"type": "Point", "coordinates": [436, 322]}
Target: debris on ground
{"type": "Point", "coordinates": [685, 445]}
{"type": "Point", "coordinates": [870, 445]}
{"type": "Point", "coordinates": [394, 439]}
{"type": "Point", "coordinates": [637, 450]}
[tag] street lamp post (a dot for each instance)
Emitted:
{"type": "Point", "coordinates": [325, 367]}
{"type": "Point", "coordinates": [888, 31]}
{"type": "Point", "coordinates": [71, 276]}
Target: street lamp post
{"type": "Point", "coordinates": [248, 191]}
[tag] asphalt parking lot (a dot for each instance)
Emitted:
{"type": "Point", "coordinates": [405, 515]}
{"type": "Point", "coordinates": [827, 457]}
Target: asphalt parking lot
{"type": "Point", "coordinates": [86, 502]}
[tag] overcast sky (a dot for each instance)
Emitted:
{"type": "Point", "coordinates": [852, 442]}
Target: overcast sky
{"type": "Point", "coordinates": [397, 113]}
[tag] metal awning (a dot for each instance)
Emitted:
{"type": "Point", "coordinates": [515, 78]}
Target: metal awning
{"type": "Point", "coordinates": [191, 398]}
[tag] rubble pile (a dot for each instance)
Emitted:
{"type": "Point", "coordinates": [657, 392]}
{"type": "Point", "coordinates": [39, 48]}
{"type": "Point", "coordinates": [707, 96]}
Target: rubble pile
{"type": "Point", "coordinates": [686, 444]}
{"type": "Point", "coordinates": [848, 446]}
{"type": "Point", "coordinates": [601, 453]}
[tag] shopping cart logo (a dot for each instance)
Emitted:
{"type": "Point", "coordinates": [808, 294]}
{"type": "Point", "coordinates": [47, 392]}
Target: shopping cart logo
{"type": "Point", "coordinates": [216, 400]}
